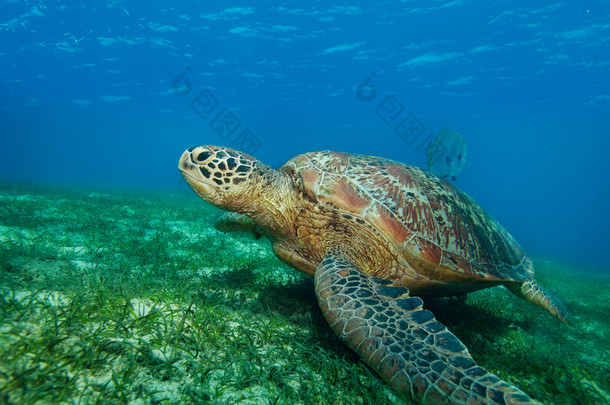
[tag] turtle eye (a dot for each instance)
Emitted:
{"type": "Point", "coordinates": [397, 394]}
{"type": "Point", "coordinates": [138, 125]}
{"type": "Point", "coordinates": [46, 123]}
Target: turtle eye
{"type": "Point", "coordinates": [203, 156]}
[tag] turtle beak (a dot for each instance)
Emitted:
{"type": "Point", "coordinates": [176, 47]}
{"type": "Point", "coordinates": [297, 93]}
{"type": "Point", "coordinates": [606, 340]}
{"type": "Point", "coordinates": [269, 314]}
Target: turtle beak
{"type": "Point", "coordinates": [186, 166]}
{"type": "Point", "coordinates": [191, 173]}
{"type": "Point", "coordinates": [185, 163]}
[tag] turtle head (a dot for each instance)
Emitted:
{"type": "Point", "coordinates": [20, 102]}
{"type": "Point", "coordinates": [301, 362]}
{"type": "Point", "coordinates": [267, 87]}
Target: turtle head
{"type": "Point", "coordinates": [222, 176]}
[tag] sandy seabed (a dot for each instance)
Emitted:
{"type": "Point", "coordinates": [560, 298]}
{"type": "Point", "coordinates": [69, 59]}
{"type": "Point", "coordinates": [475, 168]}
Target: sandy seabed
{"type": "Point", "coordinates": [132, 297]}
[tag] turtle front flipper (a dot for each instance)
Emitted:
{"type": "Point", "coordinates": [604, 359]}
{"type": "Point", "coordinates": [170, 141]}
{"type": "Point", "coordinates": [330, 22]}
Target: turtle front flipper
{"type": "Point", "coordinates": [234, 222]}
{"type": "Point", "coordinates": [392, 333]}
{"type": "Point", "coordinates": [531, 291]}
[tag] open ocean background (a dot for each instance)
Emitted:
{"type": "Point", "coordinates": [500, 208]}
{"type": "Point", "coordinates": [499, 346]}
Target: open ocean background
{"type": "Point", "coordinates": [109, 94]}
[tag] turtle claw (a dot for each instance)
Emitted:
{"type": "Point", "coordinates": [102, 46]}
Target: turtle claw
{"type": "Point", "coordinates": [404, 343]}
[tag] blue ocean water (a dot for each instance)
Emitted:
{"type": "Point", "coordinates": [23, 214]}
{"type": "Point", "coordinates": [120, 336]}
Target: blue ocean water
{"type": "Point", "coordinates": [111, 93]}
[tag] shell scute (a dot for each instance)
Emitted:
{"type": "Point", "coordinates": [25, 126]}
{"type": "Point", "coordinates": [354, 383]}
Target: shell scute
{"type": "Point", "coordinates": [427, 250]}
{"type": "Point", "coordinates": [383, 219]}
{"type": "Point", "coordinates": [341, 194]}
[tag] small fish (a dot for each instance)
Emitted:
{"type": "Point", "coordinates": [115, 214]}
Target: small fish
{"type": "Point", "coordinates": [446, 155]}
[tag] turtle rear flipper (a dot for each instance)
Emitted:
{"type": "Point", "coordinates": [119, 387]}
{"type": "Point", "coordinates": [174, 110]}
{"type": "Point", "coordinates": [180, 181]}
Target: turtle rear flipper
{"type": "Point", "coordinates": [531, 291]}
{"type": "Point", "coordinates": [403, 342]}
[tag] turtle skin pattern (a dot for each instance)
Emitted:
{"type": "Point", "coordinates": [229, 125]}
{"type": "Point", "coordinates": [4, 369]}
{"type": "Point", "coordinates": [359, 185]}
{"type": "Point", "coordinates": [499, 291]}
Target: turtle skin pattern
{"type": "Point", "coordinates": [404, 343]}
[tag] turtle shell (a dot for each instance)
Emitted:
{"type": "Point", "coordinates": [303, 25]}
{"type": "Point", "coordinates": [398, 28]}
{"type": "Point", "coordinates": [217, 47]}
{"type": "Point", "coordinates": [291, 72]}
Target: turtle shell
{"type": "Point", "coordinates": [426, 218]}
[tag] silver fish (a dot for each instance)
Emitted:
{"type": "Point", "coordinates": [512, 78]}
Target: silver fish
{"type": "Point", "coordinates": [447, 154]}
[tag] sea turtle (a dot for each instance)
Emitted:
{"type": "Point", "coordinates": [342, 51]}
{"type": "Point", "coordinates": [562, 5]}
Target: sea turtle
{"type": "Point", "coordinates": [377, 236]}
